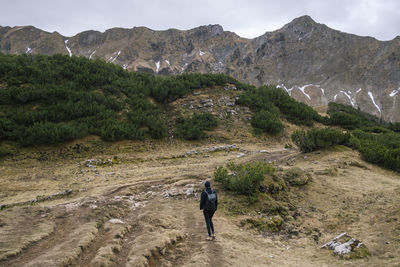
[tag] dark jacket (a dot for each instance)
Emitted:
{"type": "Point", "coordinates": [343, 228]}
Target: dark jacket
{"type": "Point", "coordinates": [203, 198]}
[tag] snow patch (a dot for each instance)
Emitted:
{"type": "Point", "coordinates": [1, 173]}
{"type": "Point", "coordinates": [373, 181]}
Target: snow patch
{"type": "Point", "coordinates": [112, 59]}
{"type": "Point", "coordinates": [66, 46]}
{"type": "Point", "coordinates": [124, 66]}
{"type": "Point", "coordinates": [90, 57]}
{"type": "Point", "coordinates": [119, 52]}
{"type": "Point", "coordinates": [349, 97]}
{"type": "Point", "coordinates": [202, 53]}
{"type": "Point", "coordinates": [28, 50]}
{"type": "Point", "coordinates": [289, 91]}
{"type": "Point", "coordinates": [359, 90]}
{"type": "Point", "coordinates": [184, 66]}
{"type": "Point", "coordinates": [157, 65]}
{"type": "Point", "coordinates": [302, 90]}
{"type": "Point", "coordinates": [373, 101]}
{"type": "Point", "coordinates": [334, 98]}
{"type": "Point", "coordinates": [394, 92]}
{"type": "Point", "coordinates": [168, 62]}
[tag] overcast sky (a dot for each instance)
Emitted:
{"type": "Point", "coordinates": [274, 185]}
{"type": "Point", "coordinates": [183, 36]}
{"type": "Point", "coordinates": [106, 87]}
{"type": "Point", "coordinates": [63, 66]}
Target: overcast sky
{"type": "Point", "coordinates": [251, 18]}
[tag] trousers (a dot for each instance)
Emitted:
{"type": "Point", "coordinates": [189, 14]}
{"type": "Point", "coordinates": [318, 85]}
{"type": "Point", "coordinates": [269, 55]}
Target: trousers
{"type": "Point", "coordinates": [208, 217]}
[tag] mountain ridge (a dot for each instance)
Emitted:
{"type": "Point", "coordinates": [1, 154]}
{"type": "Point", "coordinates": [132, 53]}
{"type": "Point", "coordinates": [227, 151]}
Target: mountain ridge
{"type": "Point", "coordinates": [314, 63]}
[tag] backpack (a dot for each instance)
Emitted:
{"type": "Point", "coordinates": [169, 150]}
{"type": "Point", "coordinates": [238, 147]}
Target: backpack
{"type": "Point", "coordinates": [211, 201]}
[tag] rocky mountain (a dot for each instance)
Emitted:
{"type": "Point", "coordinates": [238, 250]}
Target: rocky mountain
{"type": "Point", "coordinates": [312, 62]}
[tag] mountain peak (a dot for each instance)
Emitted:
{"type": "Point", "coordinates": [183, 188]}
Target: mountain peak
{"type": "Point", "coordinates": [213, 29]}
{"type": "Point", "coordinates": [303, 20]}
{"type": "Point", "coordinates": [301, 25]}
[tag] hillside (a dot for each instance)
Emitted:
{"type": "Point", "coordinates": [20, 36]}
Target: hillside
{"type": "Point", "coordinates": [314, 63]}
{"type": "Point", "coordinates": [54, 99]}
{"type": "Point", "coordinates": [70, 197]}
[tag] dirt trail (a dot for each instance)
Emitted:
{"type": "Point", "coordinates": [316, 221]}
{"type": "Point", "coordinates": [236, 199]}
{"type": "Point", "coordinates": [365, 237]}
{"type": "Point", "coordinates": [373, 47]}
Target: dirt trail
{"type": "Point", "coordinates": [146, 214]}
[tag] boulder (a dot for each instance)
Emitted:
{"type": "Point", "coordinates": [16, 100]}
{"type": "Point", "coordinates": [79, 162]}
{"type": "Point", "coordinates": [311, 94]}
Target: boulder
{"type": "Point", "coordinates": [345, 246]}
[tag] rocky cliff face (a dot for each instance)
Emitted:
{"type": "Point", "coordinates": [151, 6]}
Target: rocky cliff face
{"type": "Point", "coordinates": [313, 63]}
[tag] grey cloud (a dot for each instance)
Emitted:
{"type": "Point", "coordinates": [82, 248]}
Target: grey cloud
{"type": "Point", "coordinates": [249, 18]}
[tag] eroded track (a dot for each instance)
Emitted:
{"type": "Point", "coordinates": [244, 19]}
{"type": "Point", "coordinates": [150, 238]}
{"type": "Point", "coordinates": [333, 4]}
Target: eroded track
{"type": "Point", "coordinates": [147, 214]}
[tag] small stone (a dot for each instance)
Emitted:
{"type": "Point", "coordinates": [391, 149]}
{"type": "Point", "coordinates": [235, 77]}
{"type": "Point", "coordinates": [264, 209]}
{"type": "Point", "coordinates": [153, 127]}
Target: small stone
{"type": "Point", "coordinates": [189, 191]}
{"type": "Point", "coordinates": [116, 221]}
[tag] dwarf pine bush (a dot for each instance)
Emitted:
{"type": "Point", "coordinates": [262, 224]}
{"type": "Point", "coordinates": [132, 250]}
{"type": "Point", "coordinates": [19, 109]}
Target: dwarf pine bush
{"type": "Point", "coordinates": [244, 179]}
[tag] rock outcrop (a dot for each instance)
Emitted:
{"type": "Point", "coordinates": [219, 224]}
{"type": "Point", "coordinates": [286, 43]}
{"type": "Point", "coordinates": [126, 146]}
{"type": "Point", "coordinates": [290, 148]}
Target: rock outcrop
{"type": "Point", "coordinates": [313, 63]}
{"type": "Point", "coordinates": [345, 246]}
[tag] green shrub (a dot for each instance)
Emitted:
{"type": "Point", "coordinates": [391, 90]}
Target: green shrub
{"type": "Point", "coordinates": [277, 102]}
{"type": "Point", "coordinates": [62, 90]}
{"type": "Point", "coordinates": [375, 129]}
{"type": "Point", "coordinates": [51, 133]}
{"type": "Point", "coordinates": [303, 141]}
{"type": "Point", "coordinates": [267, 122]}
{"type": "Point", "coordinates": [354, 143]}
{"type": "Point", "coordinates": [345, 120]}
{"type": "Point", "coordinates": [351, 118]}
{"type": "Point", "coordinates": [193, 128]}
{"type": "Point", "coordinates": [386, 154]}
{"type": "Point", "coordinates": [207, 121]}
{"type": "Point", "coordinates": [115, 131]}
{"type": "Point", "coordinates": [58, 91]}
{"type": "Point", "coordinates": [315, 139]}
{"type": "Point", "coordinates": [6, 128]}
{"type": "Point", "coordinates": [243, 179]}
{"type": "Point", "coordinates": [4, 152]}
{"type": "Point", "coordinates": [148, 115]}
{"type": "Point", "coordinates": [395, 127]}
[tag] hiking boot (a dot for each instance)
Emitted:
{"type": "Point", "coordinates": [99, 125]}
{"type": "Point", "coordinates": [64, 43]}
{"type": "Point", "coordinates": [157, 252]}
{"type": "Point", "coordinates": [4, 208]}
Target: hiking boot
{"type": "Point", "coordinates": [213, 236]}
{"type": "Point", "coordinates": [209, 238]}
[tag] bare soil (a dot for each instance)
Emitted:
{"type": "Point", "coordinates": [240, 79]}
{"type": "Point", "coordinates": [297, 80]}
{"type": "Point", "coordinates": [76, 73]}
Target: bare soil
{"type": "Point", "coordinates": [137, 212]}
{"type": "Point", "coordinates": [137, 203]}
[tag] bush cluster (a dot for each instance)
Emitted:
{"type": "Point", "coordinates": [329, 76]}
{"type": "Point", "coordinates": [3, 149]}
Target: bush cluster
{"type": "Point", "coordinates": [243, 179]}
{"type": "Point", "coordinates": [169, 88]}
{"type": "Point", "coordinates": [280, 104]}
{"type": "Point", "coordinates": [377, 141]}
{"type": "Point", "coordinates": [350, 118]}
{"type": "Point", "coordinates": [193, 128]}
{"type": "Point", "coordinates": [315, 139]}
{"type": "Point", "coordinates": [4, 152]}
{"type": "Point", "coordinates": [382, 149]}
{"type": "Point", "coordinates": [51, 99]}
{"type": "Point", "coordinates": [51, 133]}
{"type": "Point", "coordinates": [267, 122]}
